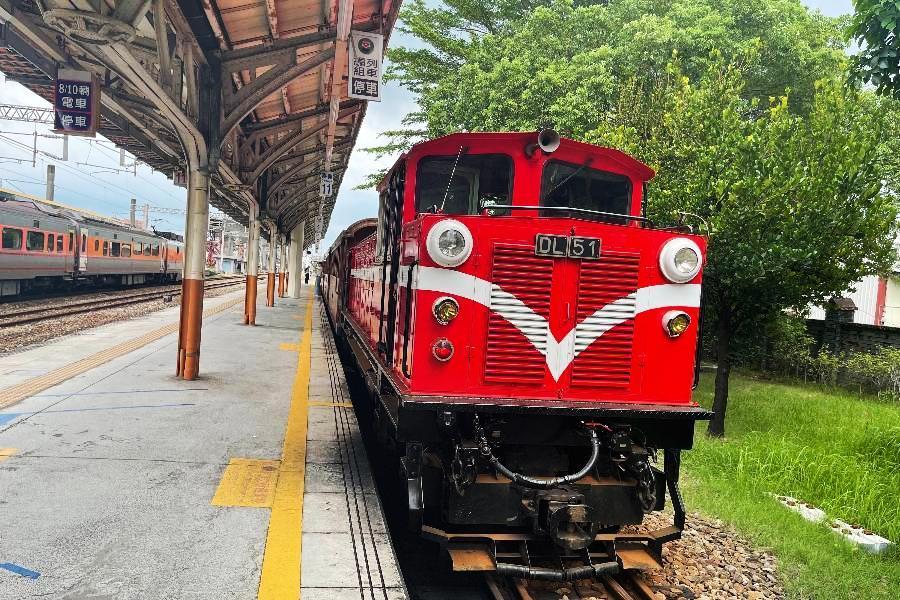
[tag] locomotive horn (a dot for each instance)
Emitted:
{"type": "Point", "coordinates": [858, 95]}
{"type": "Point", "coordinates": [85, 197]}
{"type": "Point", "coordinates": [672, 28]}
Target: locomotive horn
{"type": "Point", "coordinates": [547, 140]}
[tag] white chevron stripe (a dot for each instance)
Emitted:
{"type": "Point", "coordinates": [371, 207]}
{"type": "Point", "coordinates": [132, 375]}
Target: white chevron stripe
{"type": "Point", "coordinates": [558, 354]}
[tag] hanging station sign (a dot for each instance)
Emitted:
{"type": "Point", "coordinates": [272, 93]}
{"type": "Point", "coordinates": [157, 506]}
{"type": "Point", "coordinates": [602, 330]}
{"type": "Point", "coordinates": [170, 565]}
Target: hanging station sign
{"type": "Point", "coordinates": [326, 185]}
{"type": "Point", "coordinates": [365, 65]}
{"type": "Point", "coordinates": [76, 103]}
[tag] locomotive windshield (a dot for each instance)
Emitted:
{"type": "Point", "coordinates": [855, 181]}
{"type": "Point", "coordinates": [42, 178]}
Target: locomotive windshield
{"type": "Point", "coordinates": [567, 185]}
{"type": "Point", "coordinates": [477, 180]}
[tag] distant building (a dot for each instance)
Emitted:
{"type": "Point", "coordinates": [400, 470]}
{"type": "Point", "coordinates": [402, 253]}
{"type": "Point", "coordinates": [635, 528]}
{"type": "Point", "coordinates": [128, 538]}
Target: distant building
{"type": "Point", "coordinates": [877, 300]}
{"type": "Point", "coordinates": [227, 246]}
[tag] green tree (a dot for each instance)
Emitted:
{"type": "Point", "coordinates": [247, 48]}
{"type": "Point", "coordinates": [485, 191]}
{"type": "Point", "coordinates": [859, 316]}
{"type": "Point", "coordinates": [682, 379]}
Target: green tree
{"type": "Point", "coordinates": [875, 28]}
{"type": "Point", "coordinates": [790, 188]}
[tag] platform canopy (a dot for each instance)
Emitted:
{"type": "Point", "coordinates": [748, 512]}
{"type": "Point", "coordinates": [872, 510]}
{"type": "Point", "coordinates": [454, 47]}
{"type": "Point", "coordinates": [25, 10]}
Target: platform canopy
{"type": "Point", "coordinates": [255, 91]}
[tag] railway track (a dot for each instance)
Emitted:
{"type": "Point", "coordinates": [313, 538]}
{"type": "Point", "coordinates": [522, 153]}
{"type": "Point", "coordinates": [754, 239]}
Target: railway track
{"type": "Point", "coordinates": [628, 585]}
{"type": "Point", "coordinates": [45, 313]}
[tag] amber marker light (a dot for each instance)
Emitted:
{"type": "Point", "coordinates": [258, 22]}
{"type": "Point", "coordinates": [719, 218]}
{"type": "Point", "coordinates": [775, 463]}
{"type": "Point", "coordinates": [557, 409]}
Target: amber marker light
{"type": "Point", "coordinates": [445, 309]}
{"type": "Point", "coordinates": [442, 349]}
{"type": "Point", "coordinates": [676, 322]}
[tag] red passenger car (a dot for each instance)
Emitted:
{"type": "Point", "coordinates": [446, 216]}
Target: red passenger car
{"type": "Point", "coordinates": [529, 339]}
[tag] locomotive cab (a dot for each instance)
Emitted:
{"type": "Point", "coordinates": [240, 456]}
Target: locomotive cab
{"type": "Point", "coordinates": [530, 339]}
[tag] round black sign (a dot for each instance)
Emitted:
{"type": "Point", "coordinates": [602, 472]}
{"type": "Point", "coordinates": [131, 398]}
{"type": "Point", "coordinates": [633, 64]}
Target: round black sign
{"type": "Point", "coordinates": [365, 45]}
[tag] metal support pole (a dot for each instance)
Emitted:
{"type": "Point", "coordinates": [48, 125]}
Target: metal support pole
{"type": "Point", "coordinates": [132, 214]}
{"type": "Point", "coordinates": [295, 262]}
{"type": "Point", "coordinates": [195, 232]}
{"type": "Point", "coordinates": [252, 270]}
{"type": "Point", "coordinates": [270, 276]}
{"type": "Point", "coordinates": [282, 266]}
{"type": "Point", "coordinates": [51, 181]}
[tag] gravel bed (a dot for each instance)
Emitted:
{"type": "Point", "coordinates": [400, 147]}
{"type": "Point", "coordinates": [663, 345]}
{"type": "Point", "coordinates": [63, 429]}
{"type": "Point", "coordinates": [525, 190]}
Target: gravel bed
{"type": "Point", "coordinates": [81, 297]}
{"type": "Point", "coordinates": [709, 562]}
{"type": "Point", "coordinates": [17, 338]}
{"type": "Point", "coordinates": [712, 561]}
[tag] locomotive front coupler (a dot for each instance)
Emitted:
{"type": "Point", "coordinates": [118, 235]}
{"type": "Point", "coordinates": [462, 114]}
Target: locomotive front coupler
{"type": "Point", "coordinates": [535, 482]}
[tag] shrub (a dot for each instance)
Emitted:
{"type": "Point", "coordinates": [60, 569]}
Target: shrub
{"type": "Point", "coordinates": [784, 348]}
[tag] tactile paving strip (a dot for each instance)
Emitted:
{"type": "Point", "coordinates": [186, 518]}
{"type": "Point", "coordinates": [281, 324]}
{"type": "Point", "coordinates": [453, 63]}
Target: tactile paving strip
{"type": "Point", "coordinates": [347, 548]}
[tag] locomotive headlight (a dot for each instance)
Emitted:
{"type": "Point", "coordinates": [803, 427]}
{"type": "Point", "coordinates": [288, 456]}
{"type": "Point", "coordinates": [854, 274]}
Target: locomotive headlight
{"type": "Point", "coordinates": [442, 349]}
{"type": "Point", "coordinates": [445, 309]}
{"type": "Point", "coordinates": [680, 260]}
{"type": "Point", "coordinates": [449, 243]}
{"type": "Point", "coordinates": [676, 322]}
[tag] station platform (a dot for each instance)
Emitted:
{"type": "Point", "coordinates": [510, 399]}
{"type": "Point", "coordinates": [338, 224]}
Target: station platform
{"type": "Point", "coordinates": [118, 480]}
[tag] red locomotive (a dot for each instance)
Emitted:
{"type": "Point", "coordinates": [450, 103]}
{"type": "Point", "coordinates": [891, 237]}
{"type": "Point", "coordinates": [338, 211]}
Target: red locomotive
{"type": "Point", "coordinates": [529, 340]}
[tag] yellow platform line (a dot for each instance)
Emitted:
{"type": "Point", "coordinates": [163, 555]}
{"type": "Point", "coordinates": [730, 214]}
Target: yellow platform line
{"type": "Point", "coordinates": [7, 452]}
{"type": "Point", "coordinates": [280, 577]}
{"type": "Point", "coordinates": [30, 387]}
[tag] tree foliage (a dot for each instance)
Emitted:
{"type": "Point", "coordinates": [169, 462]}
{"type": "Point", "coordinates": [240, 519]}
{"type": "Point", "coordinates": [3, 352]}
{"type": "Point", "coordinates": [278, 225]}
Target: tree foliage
{"type": "Point", "coordinates": [737, 104]}
{"type": "Point", "coordinates": [875, 27]}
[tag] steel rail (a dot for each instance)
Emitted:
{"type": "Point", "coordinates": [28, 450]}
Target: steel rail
{"type": "Point", "coordinates": [46, 313]}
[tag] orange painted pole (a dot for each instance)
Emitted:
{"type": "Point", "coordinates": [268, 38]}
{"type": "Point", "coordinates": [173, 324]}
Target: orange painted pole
{"type": "Point", "coordinates": [252, 270]}
{"type": "Point", "coordinates": [270, 289]}
{"type": "Point", "coordinates": [250, 301]}
{"type": "Point", "coordinates": [281, 284]}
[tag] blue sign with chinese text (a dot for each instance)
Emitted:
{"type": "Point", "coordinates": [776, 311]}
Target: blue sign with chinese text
{"type": "Point", "coordinates": [75, 103]}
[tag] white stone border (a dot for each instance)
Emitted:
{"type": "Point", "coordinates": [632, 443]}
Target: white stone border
{"type": "Point", "coordinates": [868, 541]}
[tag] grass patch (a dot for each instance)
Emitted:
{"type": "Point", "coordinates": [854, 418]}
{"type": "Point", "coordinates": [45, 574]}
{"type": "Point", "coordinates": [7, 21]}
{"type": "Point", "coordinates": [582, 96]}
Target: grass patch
{"type": "Point", "coordinates": [830, 448]}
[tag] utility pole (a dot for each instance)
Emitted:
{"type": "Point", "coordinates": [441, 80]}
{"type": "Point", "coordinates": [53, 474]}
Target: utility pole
{"type": "Point", "coordinates": [51, 181]}
{"type": "Point", "coordinates": [131, 217]}
{"type": "Point", "coordinates": [146, 217]}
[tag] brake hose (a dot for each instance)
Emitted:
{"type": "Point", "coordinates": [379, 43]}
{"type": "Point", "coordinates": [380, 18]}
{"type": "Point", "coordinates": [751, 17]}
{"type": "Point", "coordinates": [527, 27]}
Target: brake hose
{"type": "Point", "coordinates": [535, 482]}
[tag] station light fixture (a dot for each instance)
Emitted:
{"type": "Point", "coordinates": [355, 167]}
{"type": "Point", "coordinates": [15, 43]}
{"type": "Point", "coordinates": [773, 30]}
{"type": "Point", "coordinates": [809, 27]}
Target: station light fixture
{"type": "Point", "coordinates": [442, 349]}
{"type": "Point", "coordinates": [445, 309]}
{"type": "Point", "coordinates": [680, 260]}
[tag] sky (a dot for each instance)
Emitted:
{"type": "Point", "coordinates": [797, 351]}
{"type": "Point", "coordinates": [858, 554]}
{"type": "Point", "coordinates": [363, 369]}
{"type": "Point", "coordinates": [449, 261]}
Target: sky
{"type": "Point", "coordinates": [93, 179]}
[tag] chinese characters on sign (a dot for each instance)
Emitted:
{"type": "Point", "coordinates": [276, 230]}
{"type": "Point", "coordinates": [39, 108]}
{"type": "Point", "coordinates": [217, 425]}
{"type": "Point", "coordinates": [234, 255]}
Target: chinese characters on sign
{"type": "Point", "coordinates": [326, 185]}
{"type": "Point", "coordinates": [76, 102]}
{"type": "Point", "coordinates": [365, 65]}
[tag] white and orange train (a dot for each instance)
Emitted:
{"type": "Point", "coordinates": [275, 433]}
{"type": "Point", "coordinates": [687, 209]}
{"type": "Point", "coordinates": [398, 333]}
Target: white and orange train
{"type": "Point", "coordinates": [43, 246]}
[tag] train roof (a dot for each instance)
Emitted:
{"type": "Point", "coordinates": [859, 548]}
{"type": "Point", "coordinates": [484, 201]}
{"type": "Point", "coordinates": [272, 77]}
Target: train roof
{"type": "Point", "coordinates": [520, 139]}
{"type": "Point", "coordinates": [366, 226]}
{"type": "Point", "coordinates": [39, 206]}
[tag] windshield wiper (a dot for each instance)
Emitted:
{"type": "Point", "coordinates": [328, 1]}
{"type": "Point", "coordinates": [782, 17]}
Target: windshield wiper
{"type": "Point", "coordinates": [586, 164]}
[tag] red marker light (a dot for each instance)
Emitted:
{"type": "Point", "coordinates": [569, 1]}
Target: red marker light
{"type": "Point", "coordinates": [442, 349]}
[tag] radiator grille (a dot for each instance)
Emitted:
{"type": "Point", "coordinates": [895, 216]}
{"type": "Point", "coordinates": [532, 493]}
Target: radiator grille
{"type": "Point", "coordinates": [610, 282]}
{"type": "Point", "coordinates": [510, 356]}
